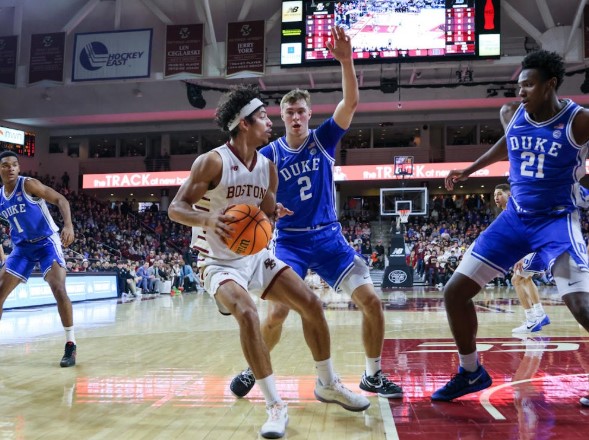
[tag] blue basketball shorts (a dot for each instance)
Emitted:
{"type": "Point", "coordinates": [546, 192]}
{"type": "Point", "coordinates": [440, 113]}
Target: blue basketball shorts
{"type": "Point", "coordinates": [532, 264]}
{"type": "Point", "coordinates": [511, 237]}
{"type": "Point", "coordinates": [21, 261]}
{"type": "Point", "coordinates": [325, 251]}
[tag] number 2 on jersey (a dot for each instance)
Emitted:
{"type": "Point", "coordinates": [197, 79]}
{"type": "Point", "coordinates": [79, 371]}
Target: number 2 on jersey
{"type": "Point", "coordinates": [528, 160]}
{"type": "Point", "coordinates": [305, 184]}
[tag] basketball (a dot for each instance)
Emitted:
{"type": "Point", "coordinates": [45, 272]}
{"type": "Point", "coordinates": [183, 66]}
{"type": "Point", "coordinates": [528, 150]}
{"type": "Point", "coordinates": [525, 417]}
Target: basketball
{"type": "Point", "coordinates": [251, 230]}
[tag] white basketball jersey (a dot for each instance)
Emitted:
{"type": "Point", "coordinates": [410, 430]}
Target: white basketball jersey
{"type": "Point", "coordinates": [239, 184]}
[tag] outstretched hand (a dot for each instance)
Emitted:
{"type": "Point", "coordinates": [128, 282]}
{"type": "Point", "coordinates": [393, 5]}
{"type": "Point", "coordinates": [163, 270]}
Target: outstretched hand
{"type": "Point", "coordinates": [453, 177]}
{"type": "Point", "coordinates": [281, 211]}
{"type": "Point", "coordinates": [340, 45]}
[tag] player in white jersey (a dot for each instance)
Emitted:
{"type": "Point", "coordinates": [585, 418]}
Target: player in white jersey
{"type": "Point", "coordinates": [236, 173]}
{"type": "Point", "coordinates": [35, 238]}
{"type": "Point", "coordinates": [546, 143]}
{"type": "Point", "coordinates": [523, 270]}
{"type": "Point", "coordinates": [310, 235]}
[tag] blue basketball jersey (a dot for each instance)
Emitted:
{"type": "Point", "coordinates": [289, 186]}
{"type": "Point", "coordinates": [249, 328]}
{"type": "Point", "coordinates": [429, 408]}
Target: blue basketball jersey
{"type": "Point", "coordinates": [305, 176]}
{"type": "Point", "coordinates": [28, 216]}
{"type": "Point", "coordinates": [546, 163]}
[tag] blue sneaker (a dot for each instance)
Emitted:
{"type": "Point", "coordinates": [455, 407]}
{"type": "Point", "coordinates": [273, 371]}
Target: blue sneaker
{"type": "Point", "coordinates": [544, 320]}
{"type": "Point", "coordinates": [463, 383]}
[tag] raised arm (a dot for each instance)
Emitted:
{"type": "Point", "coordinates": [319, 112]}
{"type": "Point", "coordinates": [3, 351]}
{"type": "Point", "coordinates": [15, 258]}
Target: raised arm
{"type": "Point", "coordinates": [341, 49]}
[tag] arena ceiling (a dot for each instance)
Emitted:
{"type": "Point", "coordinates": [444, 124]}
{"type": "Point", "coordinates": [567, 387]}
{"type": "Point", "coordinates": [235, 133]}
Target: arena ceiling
{"type": "Point", "coordinates": [552, 24]}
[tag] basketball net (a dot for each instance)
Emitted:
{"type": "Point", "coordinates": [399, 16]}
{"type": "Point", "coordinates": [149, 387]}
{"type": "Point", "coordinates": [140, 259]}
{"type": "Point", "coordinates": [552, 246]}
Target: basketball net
{"type": "Point", "coordinates": [403, 215]}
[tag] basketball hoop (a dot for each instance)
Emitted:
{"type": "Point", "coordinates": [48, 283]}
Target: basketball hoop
{"type": "Point", "coordinates": [404, 215]}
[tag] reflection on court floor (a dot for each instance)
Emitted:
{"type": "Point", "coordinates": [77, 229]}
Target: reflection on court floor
{"type": "Point", "coordinates": [159, 367]}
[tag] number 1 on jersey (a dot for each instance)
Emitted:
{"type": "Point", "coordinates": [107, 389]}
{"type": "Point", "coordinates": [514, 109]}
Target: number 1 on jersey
{"type": "Point", "coordinates": [18, 226]}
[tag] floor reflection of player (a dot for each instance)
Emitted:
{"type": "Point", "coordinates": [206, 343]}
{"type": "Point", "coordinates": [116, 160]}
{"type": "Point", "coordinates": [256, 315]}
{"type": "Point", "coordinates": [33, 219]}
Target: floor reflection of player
{"type": "Point", "coordinates": [527, 399]}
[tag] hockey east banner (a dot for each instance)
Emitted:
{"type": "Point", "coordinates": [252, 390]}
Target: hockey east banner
{"type": "Point", "coordinates": [112, 55]}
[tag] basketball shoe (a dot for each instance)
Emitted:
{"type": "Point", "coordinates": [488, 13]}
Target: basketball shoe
{"type": "Point", "coordinates": [275, 426]}
{"type": "Point", "coordinates": [336, 392]}
{"type": "Point", "coordinates": [463, 383]}
{"type": "Point", "coordinates": [584, 400]}
{"type": "Point", "coordinates": [243, 384]}
{"type": "Point", "coordinates": [528, 327]}
{"type": "Point", "coordinates": [69, 356]}
{"type": "Point", "coordinates": [381, 385]}
{"type": "Point", "coordinates": [544, 320]}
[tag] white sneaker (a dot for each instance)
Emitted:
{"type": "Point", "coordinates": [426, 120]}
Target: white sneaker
{"type": "Point", "coordinates": [336, 392]}
{"type": "Point", "coordinates": [528, 327]}
{"type": "Point", "coordinates": [275, 426]}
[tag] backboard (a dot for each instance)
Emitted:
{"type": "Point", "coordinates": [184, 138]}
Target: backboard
{"type": "Point", "coordinates": [392, 199]}
{"type": "Point", "coordinates": [403, 165]}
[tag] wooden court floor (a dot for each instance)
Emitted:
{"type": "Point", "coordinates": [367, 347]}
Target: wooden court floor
{"type": "Point", "coordinates": [159, 368]}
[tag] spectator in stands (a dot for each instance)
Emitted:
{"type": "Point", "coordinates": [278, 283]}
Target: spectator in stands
{"type": "Point", "coordinates": [176, 273]}
{"type": "Point", "coordinates": [121, 279]}
{"type": "Point", "coordinates": [366, 248]}
{"type": "Point", "coordinates": [433, 270]}
{"type": "Point", "coordinates": [146, 278]}
{"type": "Point", "coordinates": [65, 180]}
{"type": "Point", "coordinates": [187, 277]}
{"type": "Point", "coordinates": [161, 275]}
{"type": "Point", "coordinates": [7, 246]}
{"type": "Point", "coordinates": [451, 265]}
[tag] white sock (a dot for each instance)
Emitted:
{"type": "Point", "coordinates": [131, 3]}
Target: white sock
{"type": "Point", "coordinates": [372, 366]}
{"type": "Point", "coordinates": [470, 362]}
{"type": "Point", "coordinates": [530, 315]}
{"type": "Point", "coordinates": [268, 387]}
{"type": "Point", "coordinates": [325, 371]}
{"type": "Point", "coordinates": [539, 310]}
{"type": "Point", "coordinates": [69, 334]}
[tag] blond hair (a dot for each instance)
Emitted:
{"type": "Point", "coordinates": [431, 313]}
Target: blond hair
{"type": "Point", "coordinates": [296, 95]}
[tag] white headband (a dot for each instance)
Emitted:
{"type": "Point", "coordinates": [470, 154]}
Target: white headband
{"type": "Point", "coordinates": [247, 110]}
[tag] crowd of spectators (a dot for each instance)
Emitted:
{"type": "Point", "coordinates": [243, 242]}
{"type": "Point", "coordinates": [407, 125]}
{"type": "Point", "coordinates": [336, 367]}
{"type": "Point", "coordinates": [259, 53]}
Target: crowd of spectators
{"type": "Point", "coordinates": [111, 236]}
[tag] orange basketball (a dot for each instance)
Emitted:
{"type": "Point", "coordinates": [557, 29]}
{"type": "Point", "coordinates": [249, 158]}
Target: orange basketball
{"type": "Point", "coordinates": [251, 230]}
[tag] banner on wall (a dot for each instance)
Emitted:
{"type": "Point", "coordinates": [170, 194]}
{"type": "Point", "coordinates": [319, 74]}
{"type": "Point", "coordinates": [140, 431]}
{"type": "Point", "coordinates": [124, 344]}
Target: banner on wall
{"type": "Point", "coordinates": [8, 47]}
{"type": "Point", "coordinates": [341, 174]}
{"type": "Point", "coordinates": [47, 56]}
{"type": "Point", "coordinates": [245, 49]}
{"type": "Point", "coordinates": [112, 55]}
{"type": "Point", "coordinates": [134, 180]}
{"type": "Point", "coordinates": [184, 49]}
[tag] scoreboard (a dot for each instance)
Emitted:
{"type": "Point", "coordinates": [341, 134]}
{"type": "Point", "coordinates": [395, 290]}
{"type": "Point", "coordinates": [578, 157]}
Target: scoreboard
{"type": "Point", "coordinates": [26, 149]}
{"type": "Point", "coordinates": [460, 31]}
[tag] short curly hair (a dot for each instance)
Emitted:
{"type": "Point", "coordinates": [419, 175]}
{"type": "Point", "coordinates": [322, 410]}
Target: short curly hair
{"type": "Point", "coordinates": [232, 102]}
{"type": "Point", "coordinates": [548, 64]}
